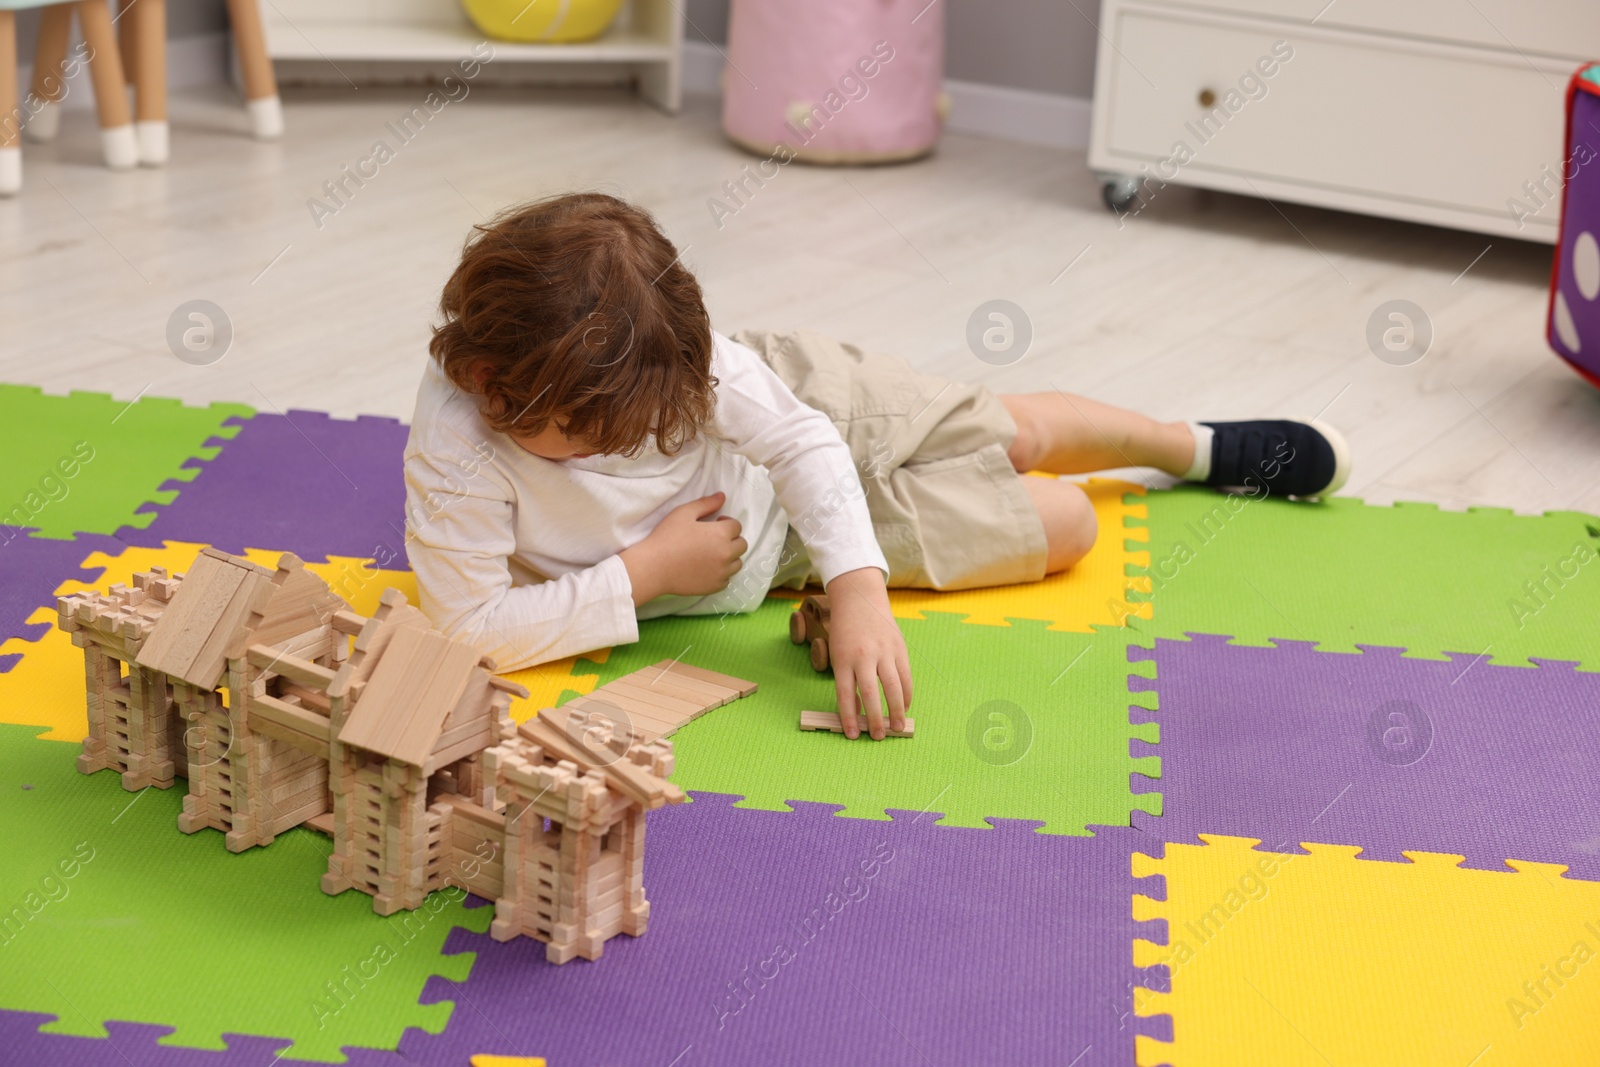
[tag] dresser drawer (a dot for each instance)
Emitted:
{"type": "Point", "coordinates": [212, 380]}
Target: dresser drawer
{"type": "Point", "coordinates": [1354, 114]}
{"type": "Point", "coordinates": [1551, 27]}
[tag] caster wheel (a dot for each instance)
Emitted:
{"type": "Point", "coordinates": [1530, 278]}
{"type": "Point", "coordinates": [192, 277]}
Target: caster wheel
{"type": "Point", "coordinates": [1119, 192]}
{"type": "Point", "coordinates": [819, 655]}
{"type": "Point", "coordinates": [797, 628]}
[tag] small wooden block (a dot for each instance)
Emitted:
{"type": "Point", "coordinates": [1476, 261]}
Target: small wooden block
{"type": "Point", "coordinates": [829, 721]}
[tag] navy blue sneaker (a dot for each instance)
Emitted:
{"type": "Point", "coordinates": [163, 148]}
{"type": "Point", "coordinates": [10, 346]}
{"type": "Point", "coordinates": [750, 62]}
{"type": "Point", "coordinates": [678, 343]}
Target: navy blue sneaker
{"type": "Point", "coordinates": [1288, 457]}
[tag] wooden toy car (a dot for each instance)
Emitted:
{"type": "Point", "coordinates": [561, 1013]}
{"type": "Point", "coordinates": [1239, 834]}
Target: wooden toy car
{"type": "Point", "coordinates": [809, 625]}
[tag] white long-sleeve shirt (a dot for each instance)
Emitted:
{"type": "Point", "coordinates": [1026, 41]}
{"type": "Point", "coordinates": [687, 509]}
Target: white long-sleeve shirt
{"type": "Point", "coordinates": [519, 554]}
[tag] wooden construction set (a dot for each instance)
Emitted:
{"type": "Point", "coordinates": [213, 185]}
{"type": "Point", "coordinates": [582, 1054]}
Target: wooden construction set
{"type": "Point", "coordinates": [282, 707]}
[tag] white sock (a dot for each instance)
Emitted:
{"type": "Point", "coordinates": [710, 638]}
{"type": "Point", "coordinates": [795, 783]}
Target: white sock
{"type": "Point", "coordinates": [1200, 467]}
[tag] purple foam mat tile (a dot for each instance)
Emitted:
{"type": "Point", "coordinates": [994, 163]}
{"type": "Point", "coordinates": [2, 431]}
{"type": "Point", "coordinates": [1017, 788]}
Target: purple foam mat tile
{"type": "Point", "coordinates": [32, 568]}
{"type": "Point", "coordinates": [1288, 744]}
{"type": "Point", "coordinates": [301, 482]}
{"type": "Point", "coordinates": [800, 937]}
{"type": "Point", "coordinates": [137, 1045]}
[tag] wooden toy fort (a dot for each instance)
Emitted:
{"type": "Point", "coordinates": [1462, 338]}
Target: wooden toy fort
{"type": "Point", "coordinates": [283, 707]}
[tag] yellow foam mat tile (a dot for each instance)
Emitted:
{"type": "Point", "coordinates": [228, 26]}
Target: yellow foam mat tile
{"type": "Point", "coordinates": [484, 1060]}
{"type": "Point", "coordinates": [1323, 958]}
{"type": "Point", "coordinates": [548, 681]}
{"type": "Point", "coordinates": [46, 686]}
{"type": "Point", "coordinates": [1092, 593]}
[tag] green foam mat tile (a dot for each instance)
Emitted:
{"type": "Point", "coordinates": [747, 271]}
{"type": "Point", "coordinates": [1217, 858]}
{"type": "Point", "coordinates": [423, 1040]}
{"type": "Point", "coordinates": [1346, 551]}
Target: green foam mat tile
{"type": "Point", "coordinates": [1341, 573]}
{"type": "Point", "coordinates": [109, 913]}
{"type": "Point", "coordinates": [86, 463]}
{"type": "Point", "coordinates": [1012, 722]}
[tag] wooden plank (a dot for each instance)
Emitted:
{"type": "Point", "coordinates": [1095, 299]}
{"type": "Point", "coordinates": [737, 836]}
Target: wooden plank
{"type": "Point", "coordinates": [303, 729]}
{"type": "Point", "coordinates": [634, 713]}
{"type": "Point", "coordinates": [829, 721]}
{"type": "Point", "coordinates": [292, 667]}
{"type": "Point", "coordinates": [348, 622]}
{"type": "Point", "coordinates": [488, 820]}
{"type": "Point", "coordinates": [312, 698]}
{"type": "Point", "coordinates": [417, 683]}
{"type": "Point", "coordinates": [666, 672]}
{"type": "Point", "coordinates": [558, 736]}
{"type": "Point", "coordinates": [623, 774]}
{"type": "Point", "coordinates": [674, 686]}
{"type": "Point", "coordinates": [738, 685]}
{"type": "Point", "coordinates": [183, 628]}
{"type": "Point", "coordinates": [678, 709]}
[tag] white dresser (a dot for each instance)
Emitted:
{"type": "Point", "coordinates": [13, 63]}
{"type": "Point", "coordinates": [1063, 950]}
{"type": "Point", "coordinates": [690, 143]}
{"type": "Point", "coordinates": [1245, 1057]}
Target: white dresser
{"type": "Point", "coordinates": [1449, 112]}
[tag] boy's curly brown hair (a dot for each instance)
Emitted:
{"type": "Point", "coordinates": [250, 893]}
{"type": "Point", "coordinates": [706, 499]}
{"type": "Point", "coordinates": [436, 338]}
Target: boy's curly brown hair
{"type": "Point", "coordinates": [576, 310]}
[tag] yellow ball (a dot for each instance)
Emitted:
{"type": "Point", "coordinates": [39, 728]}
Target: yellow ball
{"type": "Point", "coordinates": [542, 21]}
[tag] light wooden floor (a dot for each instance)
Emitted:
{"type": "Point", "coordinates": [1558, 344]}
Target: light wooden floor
{"type": "Point", "coordinates": [1203, 306]}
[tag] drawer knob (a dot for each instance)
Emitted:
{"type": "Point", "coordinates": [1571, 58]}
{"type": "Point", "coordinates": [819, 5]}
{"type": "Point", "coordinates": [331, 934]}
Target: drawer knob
{"type": "Point", "coordinates": [1207, 98]}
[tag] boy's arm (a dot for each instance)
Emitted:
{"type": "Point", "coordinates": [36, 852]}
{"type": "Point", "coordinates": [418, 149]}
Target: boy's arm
{"type": "Point", "coordinates": [459, 540]}
{"type": "Point", "coordinates": [817, 484]}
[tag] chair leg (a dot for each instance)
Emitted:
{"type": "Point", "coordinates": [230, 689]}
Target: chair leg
{"type": "Point", "coordinates": [149, 34]}
{"type": "Point", "coordinates": [49, 73]}
{"type": "Point", "coordinates": [260, 86]}
{"type": "Point", "coordinates": [10, 113]}
{"type": "Point", "coordinates": [118, 145]}
{"type": "Point", "coordinates": [125, 42]}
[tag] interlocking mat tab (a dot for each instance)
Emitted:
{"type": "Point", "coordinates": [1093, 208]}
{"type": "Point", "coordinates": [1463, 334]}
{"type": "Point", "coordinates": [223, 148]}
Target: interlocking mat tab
{"type": "Point", "coordinates": [1326, 959]}
{"type": "Point", "coordinates": [805, 938]}
{"type": "Point", "coordinates": [310, 484]}
{"type": "Point", "coordinates": [85, 463]}
{"type": "Point", "coordinates": [1015, 722]}
{"type": "Point", "coordinates": [1289, 744]}
{"type": "Point", "coordinates": [1341, 574]}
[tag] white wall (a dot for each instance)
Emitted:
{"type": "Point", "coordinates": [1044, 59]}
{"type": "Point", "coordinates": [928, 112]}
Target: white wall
{"type": "Point", "coordinates": [1045, 46]}
{"type": "Point", "coordinates": [185, 18]}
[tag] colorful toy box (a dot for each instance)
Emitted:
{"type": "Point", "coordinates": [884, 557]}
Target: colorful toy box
{"type": "Point", "coordinates": [1574, 329]}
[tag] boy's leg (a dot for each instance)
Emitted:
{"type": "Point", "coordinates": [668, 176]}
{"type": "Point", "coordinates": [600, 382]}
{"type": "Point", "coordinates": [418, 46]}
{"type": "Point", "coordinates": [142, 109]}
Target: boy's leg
{"type": "Point", "coordinates": [1065, 434]}
{"type": "Point", "coordinates": [1070, 525]}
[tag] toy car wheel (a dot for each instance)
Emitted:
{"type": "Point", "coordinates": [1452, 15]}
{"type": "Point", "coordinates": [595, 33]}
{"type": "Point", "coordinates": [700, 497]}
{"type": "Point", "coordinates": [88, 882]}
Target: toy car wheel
{"type": "Point", "coordinates": [797, 628]}
{"type": "Point", "coordinates": [819, 655]}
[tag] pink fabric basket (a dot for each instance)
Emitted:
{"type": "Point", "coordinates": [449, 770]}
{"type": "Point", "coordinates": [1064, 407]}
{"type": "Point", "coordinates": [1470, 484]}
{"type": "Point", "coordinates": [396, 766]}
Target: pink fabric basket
{"type": "Point", "coordinates": [835, 81]}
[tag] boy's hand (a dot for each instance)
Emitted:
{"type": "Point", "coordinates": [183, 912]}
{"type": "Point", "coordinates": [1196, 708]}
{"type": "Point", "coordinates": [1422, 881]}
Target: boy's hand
{"type": "Point", "coordinates": [686, 555]}
{"type": "Point", "coordinates": [868, 653]}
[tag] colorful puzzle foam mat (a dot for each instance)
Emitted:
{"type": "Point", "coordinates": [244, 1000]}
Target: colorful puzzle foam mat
{"type": "Point", "coordinates": [87, 463]}
{"type": "Point", "coordinates": [44, 687]}
{"type": "Point", "coordinates": [1342, 573]}
{"type": "Point", "coordinates": [1400, 680]}
{"type": "Point", "coordinates": [1018, 723]}
{"type": "Point", "coordinates": [307, 483]}
{"type": "Point", "coordinates": [1289, 744]}
{"type": "Point", "coordinates": [113, 914]}
{"type": "Point", "coordinates": [803, 937]}
{"type": "Point", "coordinates": [1324, 958]}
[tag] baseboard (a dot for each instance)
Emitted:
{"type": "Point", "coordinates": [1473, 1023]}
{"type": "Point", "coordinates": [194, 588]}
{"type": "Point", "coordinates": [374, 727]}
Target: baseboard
{"type": "Point", "coordinates": [1051, 119]}
{"type": "Point", "coordinates": [198, 60]}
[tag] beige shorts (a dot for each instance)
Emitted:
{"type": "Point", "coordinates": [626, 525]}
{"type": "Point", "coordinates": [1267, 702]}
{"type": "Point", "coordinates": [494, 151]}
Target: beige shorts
{"type": "Point", "coordinates": [948, 509]}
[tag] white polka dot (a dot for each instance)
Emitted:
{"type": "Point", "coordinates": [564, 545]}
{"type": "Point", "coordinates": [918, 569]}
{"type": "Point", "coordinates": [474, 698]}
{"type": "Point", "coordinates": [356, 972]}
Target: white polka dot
{"type": "Point", "coordinates": [1586, 265]}
{"type": "Point", "coordinates": [1566, 329]}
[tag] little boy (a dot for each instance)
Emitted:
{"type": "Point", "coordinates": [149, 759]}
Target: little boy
{"type": "Point", "coordinates": [586, 452]}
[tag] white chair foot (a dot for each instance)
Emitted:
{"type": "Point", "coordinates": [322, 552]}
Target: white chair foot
{"type": "Point", "coordinates": [10, 171]}
{"type": "Point", "coordinates": [152, 143]}
{"type": "Point", "coordinates": [266, 118]}
{"type": "Point", "coordinates": [45, 123]}
{"type": "Point", "coordinates": [119, 147]}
